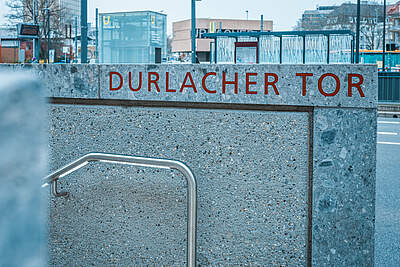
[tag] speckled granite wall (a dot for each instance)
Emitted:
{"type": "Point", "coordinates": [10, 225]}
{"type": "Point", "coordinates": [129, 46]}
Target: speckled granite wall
{"type": "Point", "coordinates": [23, 162]}
{"type": "Point", "coordinates": [344, 187]}
{"type": "Point", "coordinates": [249, 210]}
{"type": "Point", "coordinates": [252, 187]}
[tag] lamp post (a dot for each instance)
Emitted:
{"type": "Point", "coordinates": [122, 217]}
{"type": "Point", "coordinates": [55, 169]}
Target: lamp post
{"type": "Point", "coordinates": [47, 12]}
{"type": "Point", "coordinates": [384, 36]}
{"type": "Point", "coordinates": [193, 35]}
{"type": "Point", "coordinates": [358, 32]}
{"type": "Point", "coordinates": [97, 35]}
{"type": "Point", "coordinates": [36, 40]}
{"type": "Point", "coordinates": [76, 40]}
{"type": "Point", "coordinates": [84, 29]}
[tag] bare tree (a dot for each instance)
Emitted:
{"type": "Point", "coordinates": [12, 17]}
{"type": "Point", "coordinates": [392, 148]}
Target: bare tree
{"type": "Point", "coordinates": [371, 30]}
{"type": "Point", "coordinates": [373, 36]}
{"type": "Point", "coordinates": [344, 17]}
{"type": "Point", "coordinates": [23, 11]}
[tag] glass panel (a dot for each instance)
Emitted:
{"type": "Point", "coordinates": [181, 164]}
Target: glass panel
{"type": "Point", "coordinates": [292, 49]}
{"type": "Point", "coordinates": [316, 49]}
{"type": "Point", "coordinates": [225, 50]}
{"type": "Point", "coordinates": [340, 48]}
{"type": "Point", "coordinates": [246, 55]}
{"type": "Point", "coordinates": [269, 49]}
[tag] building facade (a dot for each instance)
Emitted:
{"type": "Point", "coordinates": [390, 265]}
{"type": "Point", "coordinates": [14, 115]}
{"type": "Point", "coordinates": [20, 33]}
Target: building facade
{"type": "Point", "coordinates": [181, 42]}
{"type": "Point", "coordinates": [132, 37]}
{"type": "Point", "coordinates": [313, 19]}
{"type": "Point", "coordinates": [393, 12]}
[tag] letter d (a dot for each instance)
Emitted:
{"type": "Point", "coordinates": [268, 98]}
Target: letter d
{"type": "Point", "coordinates": [121, 81]}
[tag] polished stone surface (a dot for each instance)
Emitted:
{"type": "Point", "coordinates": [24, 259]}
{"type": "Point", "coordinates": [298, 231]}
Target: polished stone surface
{"type": "Point", "coordinates": [344, 187]}
{"type": "Point", "coordinates": [23, 162]}
{"type": "Point", "coordinates": [252, 171]}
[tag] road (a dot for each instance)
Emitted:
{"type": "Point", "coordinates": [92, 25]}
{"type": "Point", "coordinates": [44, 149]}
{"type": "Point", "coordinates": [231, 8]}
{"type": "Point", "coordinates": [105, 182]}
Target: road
{"type": "Point", "coordinates": [387, 233]}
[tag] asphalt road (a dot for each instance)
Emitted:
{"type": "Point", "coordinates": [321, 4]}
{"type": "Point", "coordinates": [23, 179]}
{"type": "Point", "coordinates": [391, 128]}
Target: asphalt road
{"type": "Point", "coordinates": [387, 231]}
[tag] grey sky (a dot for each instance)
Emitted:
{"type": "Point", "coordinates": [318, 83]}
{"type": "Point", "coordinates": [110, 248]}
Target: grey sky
{"type": "Point", "coordinates": [284, 13]}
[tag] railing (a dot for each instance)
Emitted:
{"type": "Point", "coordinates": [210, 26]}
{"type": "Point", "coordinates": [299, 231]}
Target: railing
{"type": "Point", "coordinates": [389, 87]}
{"type": "Point", "coordinates": [143, 162]}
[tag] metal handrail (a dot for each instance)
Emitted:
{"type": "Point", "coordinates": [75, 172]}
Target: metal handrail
{"type": "Point", "coordinates": [143, 162]}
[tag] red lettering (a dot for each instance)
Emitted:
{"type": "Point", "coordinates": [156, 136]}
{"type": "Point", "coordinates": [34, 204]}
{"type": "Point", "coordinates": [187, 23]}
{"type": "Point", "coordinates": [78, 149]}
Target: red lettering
{"type": "Point", "coordinates": [357, 85]}
{"type": "Point", "coordinates": [272, 83]}
{"type": "Point", "coordinates": [248, 83]}
{"type": "Point", "coordinates": [184, 85]}
{"type": "Point", "coordinates": [304, 75]}
{"type": "Point", "coordinates": [121, 81]}
{"type": "Point", "coordinates": [151, 81]}
{"type": "Point", "coordinates": [140, 82]}
{"type": "Point", "coordinates": [167, 89]}
{"type": "Point", "coordinates": [337, 84]}
{"type": "Point", "coordinates": [225, 82]}
{"type": "Point", "coordinates": [204, 82]}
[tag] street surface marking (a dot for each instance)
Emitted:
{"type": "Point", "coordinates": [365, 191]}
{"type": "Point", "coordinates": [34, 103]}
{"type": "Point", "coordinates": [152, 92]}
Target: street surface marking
{"type": "Point", "coordinates": [389, 122]}
{"type": "Point", "coordinates": [387, 133]}
{"type": "Point", "coordinates": [388, 143]}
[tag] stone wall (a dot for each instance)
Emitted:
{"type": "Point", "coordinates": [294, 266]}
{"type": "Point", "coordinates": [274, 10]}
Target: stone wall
{"type": "Point", "coordinates": [284, 156]}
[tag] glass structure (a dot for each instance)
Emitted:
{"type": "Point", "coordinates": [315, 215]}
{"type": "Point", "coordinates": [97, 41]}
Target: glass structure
{"type": "Point", "coordinates": [296, 47]}
{"type": "Point", "coordinates": [132, 37]}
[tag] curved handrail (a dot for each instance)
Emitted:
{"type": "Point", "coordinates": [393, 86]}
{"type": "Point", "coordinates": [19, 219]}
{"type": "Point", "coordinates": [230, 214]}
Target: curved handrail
{"type": "Point", "coordinates": [143, 162]}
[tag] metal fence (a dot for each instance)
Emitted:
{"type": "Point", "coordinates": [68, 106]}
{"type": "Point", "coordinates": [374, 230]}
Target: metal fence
{"type": "Point", "coordinates": [389, 87]}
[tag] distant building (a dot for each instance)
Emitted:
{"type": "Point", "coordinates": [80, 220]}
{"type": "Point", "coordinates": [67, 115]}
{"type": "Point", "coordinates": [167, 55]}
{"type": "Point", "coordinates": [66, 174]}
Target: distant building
{"type": "Point", "coordinates": [313, 19]}
{"type": "Point", "coordinates": [12, 48]}
{"type": "Point", "coordinates": [132, 37]}
{"type": "Point", "coordinates": [393, 12]}
{"type": "Point", "coordinates": [181, 42]}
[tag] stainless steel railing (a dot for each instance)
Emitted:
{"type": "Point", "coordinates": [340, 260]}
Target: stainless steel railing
{"type": "Point", "coordinates": [143, 162]}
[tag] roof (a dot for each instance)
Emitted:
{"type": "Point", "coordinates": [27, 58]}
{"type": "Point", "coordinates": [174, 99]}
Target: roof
{"type": "Point", "coordinates": [367, 10]}
{"type": "Point", "coordinates": [132, 12]}
{"type": "Point", "coordinates": [282, 33]}
{"type": "Point", "coordinates": [8, 32]}
{"type": "Point", "coordinates": [214, 19]}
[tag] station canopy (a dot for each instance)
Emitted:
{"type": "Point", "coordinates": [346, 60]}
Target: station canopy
{"type": "Point", "coordinates": [290, 47]}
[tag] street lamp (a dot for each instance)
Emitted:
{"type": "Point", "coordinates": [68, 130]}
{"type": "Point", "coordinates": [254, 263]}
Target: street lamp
{"type": "Point", "coordinates": [36, 40]}
{"type": "Point", "coordinates": [47, 12]}
{"type": "Point", "coordinates": [358, 32]}
{"type": "Point", "coordinates": [384, 36]}
{"type": "Point", "coordinates": [84, 29]}
{"type": "Point", "coordinates": [194, 31]}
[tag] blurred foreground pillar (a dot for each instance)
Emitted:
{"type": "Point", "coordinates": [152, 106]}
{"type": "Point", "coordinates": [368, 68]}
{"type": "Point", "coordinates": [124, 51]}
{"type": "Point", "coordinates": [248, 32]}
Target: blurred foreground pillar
{"type": "Point", "coordinates": [23, 159]}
